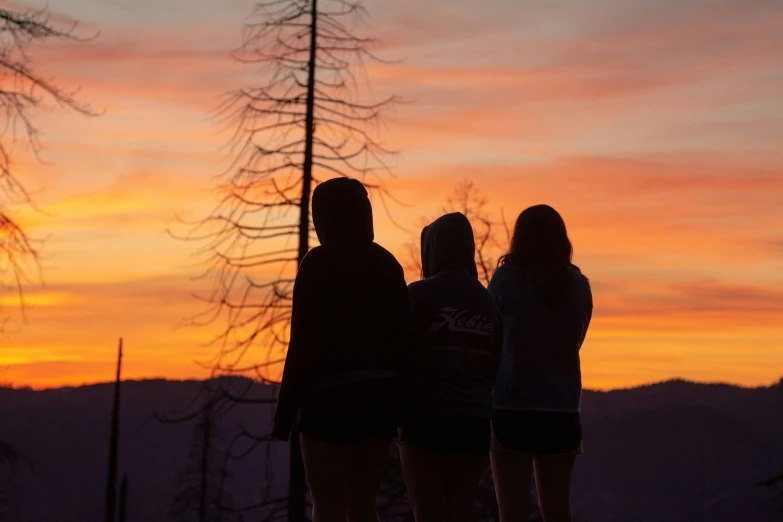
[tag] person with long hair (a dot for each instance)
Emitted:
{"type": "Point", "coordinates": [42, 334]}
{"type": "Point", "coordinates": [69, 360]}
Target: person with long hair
{"type": "Point", "coordinates": [546, 305]}
{"type": "Point", "coordinates": [340, 389]}
{"type": "Point", "coordinates": [455, 341]}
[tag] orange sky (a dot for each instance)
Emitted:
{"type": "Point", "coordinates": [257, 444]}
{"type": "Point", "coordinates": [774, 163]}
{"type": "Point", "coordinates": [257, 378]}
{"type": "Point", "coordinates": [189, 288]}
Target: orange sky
{"type": "Point", "coordinates": [654, 127]}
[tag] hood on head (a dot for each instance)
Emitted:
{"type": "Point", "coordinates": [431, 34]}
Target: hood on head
{"type": "Point", "coordinates": [342, 212]}
{"type": "Point", "coordinates": [448, 242]}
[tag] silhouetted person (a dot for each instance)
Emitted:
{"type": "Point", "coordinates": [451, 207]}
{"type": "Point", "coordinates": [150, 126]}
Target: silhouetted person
{"type": "Point", "coordinates": [546, 305]}
{"type": "Point", "coordinates": [348, 326]}
{"type": "Point", "coordinates": [455, 329]}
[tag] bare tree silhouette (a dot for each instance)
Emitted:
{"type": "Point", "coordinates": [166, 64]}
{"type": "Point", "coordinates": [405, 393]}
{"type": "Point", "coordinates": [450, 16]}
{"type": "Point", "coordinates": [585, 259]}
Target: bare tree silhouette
{"type": "Point", "coordinates": [22, 91]}
{"type": "Point", "coordinates": [13, 468]}
{"type": "Point", "coordinates": [110, 513]}
{"type": "Point", "coordinates": [202, 493]}
{"type": "Point", "coordinates": [206, 489]}
{"type": "Point", "coordinates": [776, 485]}
{"type": "Point", "coordinates": [306, 122]}
{"type": "Point", "coordinates": [492, 235]}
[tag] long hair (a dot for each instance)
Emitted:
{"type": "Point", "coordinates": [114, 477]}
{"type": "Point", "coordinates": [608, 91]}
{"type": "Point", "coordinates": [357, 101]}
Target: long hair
{"type": "Point", "coordinates": [540, 246]}
{"type": "Point", "coordinates": [540, 239]}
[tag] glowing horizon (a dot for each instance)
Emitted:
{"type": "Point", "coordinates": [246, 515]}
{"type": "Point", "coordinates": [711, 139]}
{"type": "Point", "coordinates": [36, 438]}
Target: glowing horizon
{"type": "Point", "coordinates": [654, 129]}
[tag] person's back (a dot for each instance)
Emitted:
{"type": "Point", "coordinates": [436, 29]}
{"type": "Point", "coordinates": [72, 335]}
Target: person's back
{"type": "Point", "coordinates": [359, 329]}
{"type": "Point", "coordinates": [455, 332]}
{"type": "Point", "coordinates": [540, 365]}
{"type": "Point", "coordinates": [340, 388]}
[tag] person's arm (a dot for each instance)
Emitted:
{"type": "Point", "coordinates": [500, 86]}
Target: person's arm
{"type": "Point", "coordinates": [404, 336]}
{"type": "Point", "coordinates": [496, 285]}
{"type": "Point", "coordinates": [495, 288]}
{"type": "Point", "coordinates": [408, 357]}
{"type": "Point", "coordinates": [399, 303]}
{"type": "Point", "coordinates": [304, 336]}
{"type": "Point", "coordinates": [497, 349]}
{"type": "Point", "coordinates": [589, 316]}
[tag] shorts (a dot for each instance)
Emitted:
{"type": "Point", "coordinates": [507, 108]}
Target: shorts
{"type": "Point", "coordinates": [345, 413]}
{"type": "Point", "coordinates": [537, 432]}
{"type": "Point", "coordinates": [446, 434]}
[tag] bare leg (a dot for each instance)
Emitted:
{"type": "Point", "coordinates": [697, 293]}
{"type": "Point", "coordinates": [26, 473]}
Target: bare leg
{"type": "Point", "coordinates": [554, 475]}
{"type": "Point", "coordinates": [511, 474]}
{"type": "Point", "coordinates": [426, 476]}
{"type": "Point", "coordinates": [328, 470]}
{"type": "Point", "coordinates": [465, 473]}
{"type": "Point", "coordinates": [370, 458]}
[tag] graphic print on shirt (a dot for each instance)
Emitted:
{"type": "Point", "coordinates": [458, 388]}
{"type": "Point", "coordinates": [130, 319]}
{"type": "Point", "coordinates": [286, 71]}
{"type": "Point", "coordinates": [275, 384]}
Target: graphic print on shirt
{"type": "Point", "coordinates": [457, 320]}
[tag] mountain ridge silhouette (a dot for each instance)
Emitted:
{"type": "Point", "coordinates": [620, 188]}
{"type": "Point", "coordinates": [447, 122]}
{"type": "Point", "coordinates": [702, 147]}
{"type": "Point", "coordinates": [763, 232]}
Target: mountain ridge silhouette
{"type": "Point", "coordinates": [675, 450]}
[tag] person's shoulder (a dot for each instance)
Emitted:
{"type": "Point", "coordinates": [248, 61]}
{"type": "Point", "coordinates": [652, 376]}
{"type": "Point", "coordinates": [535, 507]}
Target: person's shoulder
{"type": "Point", "coordinates": [385, 256]}
{"type": "Point", "coordinates": [314, 260]}
{"type": "Point", "coordinates": [314, 255]}
{"type": "Point", "coordinates": [580, 279]}
{"type": "Point", "coordinates": [502, 276]}
{"type": "Point", "coordinates": [460, 283]}
{"type": "Point", "coordinates": [483, 294]}
{"type": "Point", "coordinates": [381, 251]}
{"type": "Point", "coordinates": [417, 285]}
{"type": "Point", "coordinates": [506, 271]}
{"type": "Point", "coordinates": [582, 286]}
{"type": "Point", "coordinates": [420, 288]}
{"type": "Point", "coordinates": [469, 283]}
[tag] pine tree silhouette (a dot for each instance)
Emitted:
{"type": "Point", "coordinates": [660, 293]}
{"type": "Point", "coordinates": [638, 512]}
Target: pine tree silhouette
{"type": "Point", "coordinates": [202, 495]}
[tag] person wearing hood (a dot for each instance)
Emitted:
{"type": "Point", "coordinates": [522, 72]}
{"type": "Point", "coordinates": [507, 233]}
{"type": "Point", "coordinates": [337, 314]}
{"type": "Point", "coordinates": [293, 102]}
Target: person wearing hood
{"type": "Point", "coordinates": [456, 336]}
{"type": "Point", "coordinates": [340, 389]}
{"type": "Point", "coordinates": [546, 304]}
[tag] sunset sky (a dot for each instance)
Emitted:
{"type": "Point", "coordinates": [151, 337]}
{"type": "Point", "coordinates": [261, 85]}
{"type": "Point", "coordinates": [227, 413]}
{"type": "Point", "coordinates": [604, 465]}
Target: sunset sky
{"type": "Point", "coordinates": [653, 126]}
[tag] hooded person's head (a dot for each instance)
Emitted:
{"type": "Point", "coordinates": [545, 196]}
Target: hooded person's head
{"type": "Point", "coordinates": [342, 212]}
{"type": "Point", "coordinates": [447, 244]}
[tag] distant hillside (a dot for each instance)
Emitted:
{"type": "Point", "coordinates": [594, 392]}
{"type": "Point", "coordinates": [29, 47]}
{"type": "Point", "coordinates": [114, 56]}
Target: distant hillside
{"type": "Point", "coordinates": [679, 451]}
{"type": "Point", "coordinates": [675, 451]}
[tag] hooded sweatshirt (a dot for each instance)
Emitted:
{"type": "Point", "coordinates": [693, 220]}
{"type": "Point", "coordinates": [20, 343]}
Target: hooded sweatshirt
{"type": "Point", "coordinates": [350, 305]}
{"type": "Point", "coordinates": [455, 327]}
{"type": "Point", "coordinates": [545, 320]}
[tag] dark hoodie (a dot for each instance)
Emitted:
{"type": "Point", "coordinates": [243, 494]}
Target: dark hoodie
{"type": "Point", "coordinates": [455, 327]}
{"type": "Point", "coordinates": [350, 304]}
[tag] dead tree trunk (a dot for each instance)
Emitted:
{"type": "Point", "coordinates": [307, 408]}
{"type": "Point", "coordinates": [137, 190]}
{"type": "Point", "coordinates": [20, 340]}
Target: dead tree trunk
{"type": "Point", "coordinates": [123, 510]}
{"type": "Point", "coordinates": [307, 162]}
{"type": "Point", "coordinates": [202, 505]}
{"type": "Point", "coordinates": [297, 483]}
{"type": "Point", "coordinates": [111, 480]}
